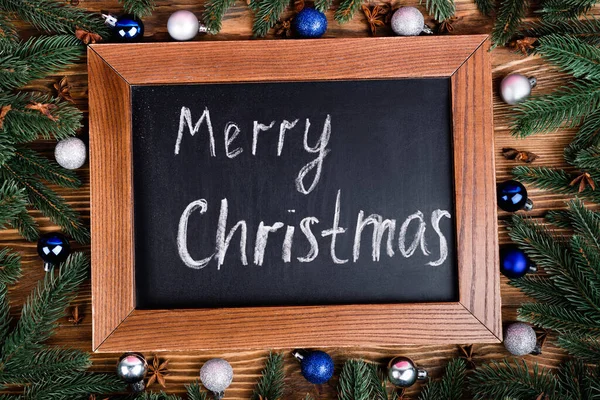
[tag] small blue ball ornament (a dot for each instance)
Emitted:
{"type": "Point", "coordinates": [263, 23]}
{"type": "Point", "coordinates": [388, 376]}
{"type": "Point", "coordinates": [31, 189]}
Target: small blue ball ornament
{"type": "Point", "coordinates": [126, 28]}
{"type": "Point", "coordinates": [53, 248]}
{"type": "Point", "coordinates": [316, 366]}
{"type": "Point", "coordinates": [514, 263]}
{"type": "Point", "coordinates": [512, 196]}
{"type": "Point", "coordinates": [310, 23]}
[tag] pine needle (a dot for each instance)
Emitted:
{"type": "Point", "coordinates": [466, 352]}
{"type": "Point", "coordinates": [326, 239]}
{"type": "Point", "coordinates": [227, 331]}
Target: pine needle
{"type": "Point", "coordinates": [485, 6]}
{"type": "Point", "coordinates": [346, 10]}
{"type": "Point", "coordinates": [139, 8]}
{"type": "Point", "coordinates": [13, 203]}
{"type": "Point", "coordinates": [571, 55]}
{"type": "Point", "coordinates": [450, 386]}
{"type": "Point", "coordinates": [194, 392]}
{"type": "Point", "coordinates": [355, 381]}
{"type": "Point", "coordinates": [323, 5]}
{"type": "Point", "coordinates": [214, 12]}
{"type": "Point", "coordinates": [271, 383]}
{"type": "Point", "coordinates": [267, 15]}
{"type": "Point", "coordinates": [508, 20]}
{"type": "Point", "coordinates": [441, 10]}
{"type": "Point", "coordinates": [557, 10]}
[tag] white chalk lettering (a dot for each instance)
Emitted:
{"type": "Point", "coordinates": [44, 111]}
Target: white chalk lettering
{"type": "Point", "coordinates": [283, 127]}
{"type": "Point", "coordinates": [335, 230]}
{"type": "Point", "coordinates": [436, 216]}
{"type": "Point", "coordinates": [184, 254]}
{"type": "Point", "coordinates": [257, 129]}
{"type": "Point", "coordinates": [321, 148]}
{"type": "Point", "coordinates": [185, 118]}
{"type": "Point", "coordinates": [222, 243]}
{"type": "Point", "coordinates": [418, 238]}
{"type": "Point", "coordinates": [314, 245]}
{"type": "Point", "coordinates": [229, 139]}
{"type": "Point", "coordinates": [286, 248]}
{"type": "Point", "coordinates": [262, 235]}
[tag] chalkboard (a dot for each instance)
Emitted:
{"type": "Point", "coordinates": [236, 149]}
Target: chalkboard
{"type": "Point", "coordinates": [345, 190]}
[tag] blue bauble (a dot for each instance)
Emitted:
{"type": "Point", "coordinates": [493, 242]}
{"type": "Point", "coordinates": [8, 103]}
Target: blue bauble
{"type": "Point", "coordinates": [128, 29]}
{"type": "Point", "coordinates": [310, 23]}
{"type": "Point", "coordinates": [316, 366]}
{"type": "Point", "coordinates": [514, 263]}
{"type": "Point", "coordinates": [512, 196]}
{"type": "Point", "coordinates": [53, 248]}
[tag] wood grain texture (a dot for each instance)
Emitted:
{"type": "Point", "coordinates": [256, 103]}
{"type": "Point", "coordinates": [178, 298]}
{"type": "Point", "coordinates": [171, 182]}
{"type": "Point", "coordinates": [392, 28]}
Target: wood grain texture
{"type": "Point", "coordinates": [476, 318]}
{"type": "Point", "coordinates": [184, 366]}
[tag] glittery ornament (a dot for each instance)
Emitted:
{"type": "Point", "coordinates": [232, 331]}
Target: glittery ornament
{"type": "Point", "coordinates": [516, 87]}
{"type": "Point", "coordinates": [53, 248]}
{"type": "Point", "coordinates": [520, 339]}
{"type": "Point", "coordinates": [310, 23]}
{"type": "Point", "coordinates": [70, 153]}
{"type": "Point", "coordinates": [132, 368]}
{"type": "Point", "coordinates": [408, 21]}
{"type": "Point", "coordinates": [512, 196]}
{"type": "Point", "coordinates": [183, 25]}
{"type": "Point", "coordinates": [316, 366]}
{"type": "Point", "coordinates": [402, 372]}
{"type": "Point", "coordinates": [514, 263]}
{"type": "Point", "coordinates": [216, 375]}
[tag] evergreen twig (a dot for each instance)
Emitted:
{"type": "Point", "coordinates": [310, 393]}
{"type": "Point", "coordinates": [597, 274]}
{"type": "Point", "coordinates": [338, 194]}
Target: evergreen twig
{"type": "Point", "coordinates": [139, 8]}
{"type": "Point", "coordinates": [508, 20]}
{"type": "Point", "coordinates": [267, 15]}
{"type": "Point", "coordinates": [7, 29]}
{"type": "Point", "coordinates": [214, 12]}
{"type": "Point", "coordinates": [355, 381]}
{"type": "Point", "coordinates": [572, 55]}
{"type": "Point", "coordinates": [271, 383]}
{"type": "Point", "coordinates": [485, 6]}
{"type": "Point", "coordinates": [450, 386]}
{"type": "Point", "coordinates": [194, 392]}
{"type": "Point", "coordinates": [560, 10]}
{"type": "Point", "coordinates": [441, 10]}
{"type": "Point", "coordinates": [346, 10]}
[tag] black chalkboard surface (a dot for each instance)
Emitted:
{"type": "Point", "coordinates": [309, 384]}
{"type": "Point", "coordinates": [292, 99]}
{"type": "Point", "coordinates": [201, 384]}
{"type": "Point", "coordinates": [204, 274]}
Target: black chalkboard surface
{"type": "Point", "coordinates": [286, 159]}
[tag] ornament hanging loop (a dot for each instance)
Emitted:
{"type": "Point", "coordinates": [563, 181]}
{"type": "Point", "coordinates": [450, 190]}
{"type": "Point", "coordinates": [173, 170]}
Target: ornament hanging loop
{"type": "Point", "coordinates": [219, 395]}
{"type": "Point", "coordinates": [528, 205]}
{"type": "Point", "coordinates": [421, 374]}
{"type": "Point", "coordinates": [532, 81]}
{"type": "Point", "coordinates": [299, 354]}
{"type": "Point", "coordinates": [427, 30]}
{"type": "Point", "coordinates": [109, 19]}
{"type": "Point", "coordinates": [203, 29]}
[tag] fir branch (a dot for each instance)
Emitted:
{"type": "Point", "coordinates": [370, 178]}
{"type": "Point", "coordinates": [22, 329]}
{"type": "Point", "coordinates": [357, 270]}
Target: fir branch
{"type": "Point", "coordinates": [267, 15]}
{"type": "Point", "coordinates": [55, 17]}
{"type": "Point", "coordinates": [13, 203]}
{"type": "Point", "coordinates": [43, 308]}
{"type": "Point", "coordinates": [194, 392]}
{"type": "Point", "coordinates": [555, 10]}
{"type": "Point", "coordinates": [566, 106]}
{"type": "Point", "coordinates": [587, 135]}
{"type": "Point", "coordinates": [74, 386]}
{"type": "Point", "coordinates": [28, 162]}
{"type": "Point", "coordinates": [346, 10]}
{"type": "Point", "coordinates": [571, 55]}
{"type": "Point", "coordinates": [23, 125]}
{"type": "Point", "coordinates": [585, 347]}
{"type": "Point", "coordinates": [155, 396]}
{"type": "Point", "coordinates": [508, 20]}
{"type": "Point", "coordinates": [588, 159]}
{"type": "Point", "coordinates": [441, 10]}
{"type": "Point", "coordinates": [560, 319]}
{"type": "Point", "coordinates": [559, 218]}
{"type": "Point", "coordinates": [271, 383]}
{"type": "Point", "coordinates": [512, 379]}
{"type": "Point", "coordinates": [576, 381]}
{"type": "Point", "coordinates": [213, 14]}
{"type": "Point", "coordinates": [10, 267]}
{"type": "Point", "coordinates": [485, 6]}
{"type": "Point", "coordinates": [589, 27]}
{"type": "Point", "coordinates": [36, 58]}
{"type": "Point", "coordinates": [323, 5]}
{"type": "Point", "coordinates": [378, 383]}
{"type": "Point", "coordinates": [7, 29]}
{"type": "Point", "coordinates": [555, 180]}
{"type": "Point", "coordinates": [355, 381]}
{"type": "Point", "coordinates": [450, 386]}
{"type": "Point", "coordinates": [541, 288]}
{"type": "Point", "coordinates": [139, 8]}
{"type": "Point", "coordinates": [44, 364]}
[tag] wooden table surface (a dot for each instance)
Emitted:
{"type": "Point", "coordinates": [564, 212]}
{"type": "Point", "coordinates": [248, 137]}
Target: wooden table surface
{"type": "Point", "coordinates": [184, 367]}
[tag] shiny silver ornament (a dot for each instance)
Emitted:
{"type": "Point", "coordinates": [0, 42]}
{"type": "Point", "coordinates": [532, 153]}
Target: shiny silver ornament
{"type": "Point", "coordinates": [408, 21]}
{"type": "Point", "coordinates": [132, 368]}
{"type": "Point", "coordinates": [403, 372]}
{"type": "Point", "coordinates": [70, 153]}
{"type": "Point", "coordinates": [516, 87]}
{"type": "Point", "coordinates": [216, 375]}
{"type": "Point", "coordinates": [183, 25]}
{"type": "Point", "coordinates": [520, 339]}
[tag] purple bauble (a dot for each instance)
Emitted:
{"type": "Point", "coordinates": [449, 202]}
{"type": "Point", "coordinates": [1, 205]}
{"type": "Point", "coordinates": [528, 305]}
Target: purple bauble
{"type": "Point", "coordinates": [310, 23]}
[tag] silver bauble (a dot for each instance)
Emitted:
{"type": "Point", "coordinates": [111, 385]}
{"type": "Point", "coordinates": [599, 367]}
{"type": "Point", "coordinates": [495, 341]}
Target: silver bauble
{"type": "Point", "coordinates": [408, 21]}
{"type": "Point", "coordinates": [183, 25]}
{"type": "Point", "coordinates": [132, 368]}
{"type": "Point", "coordinates": [403, 372]}
{"type": "Point", "coordinates": [516, 87]}
{"type": "Point", "coordinates": [216, 375]}
{"type": "Point", "coordinates": [520, 339]}
{"type": "Point", "coordinates": [70, 153]}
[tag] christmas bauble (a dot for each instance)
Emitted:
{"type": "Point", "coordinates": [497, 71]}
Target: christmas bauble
{"type": "Point", "coordinates": [316, 366]}
{"type": "Point", "coordinates": [183, 25]}
{"type": "Point", "coordinates": [70, 153]}
{"type": "Point", "coordinates": [514, 263]}
{"type": "Point", "coordinates": [132, 368]}
{"type": "Point", "coordinates": [310, 23]}
{"type": "Point", "coordinates": [516, 87]}
{"type": "Point", "coordinates": [512, 196]}
{"type": "Point", "coordinates": [53, 248]}
{"type": "Point", "coordinates": [216, 375]}
{"type": "Point", "coordinates": [128, 28]}
{"type": "Point", "coordinates": [408, 21]}
{"type": "Point", "coordinates": [403, 372]}
{"type": "Point", "coordinates": [520, 339]}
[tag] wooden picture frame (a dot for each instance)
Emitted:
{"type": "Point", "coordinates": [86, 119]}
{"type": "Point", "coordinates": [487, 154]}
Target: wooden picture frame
{"type": "Point", "coordinates": [118, 326]}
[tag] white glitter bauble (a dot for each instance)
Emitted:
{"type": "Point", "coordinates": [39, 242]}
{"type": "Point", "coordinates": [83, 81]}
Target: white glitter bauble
{"type": "Point", "coordinates": [515, 88]}
{"type": "Point", "coordinates": [183, 25]}
{"type": "Point", "coordinates": [520, 339]}
{"type": "Point", "coordinates": [216, 375]}
{"type": "Point", "coordinates": [407, 21]}
{"type": "Point", "coordinates": [70, 153]}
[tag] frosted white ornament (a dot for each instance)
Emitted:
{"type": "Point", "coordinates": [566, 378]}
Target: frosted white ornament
{"type": "Point", "coordinates": [183, 25]}
{"type": "Point", "coordinates": [516, 87]}
{"type": "Point", "coordinates": [216, 375]}
{"type": "Point", "coordinates": [520, 339]}
{"type": "Point", "coordinates": [408, 21]}
{"type": "Point", "coordinates": [70, 153]}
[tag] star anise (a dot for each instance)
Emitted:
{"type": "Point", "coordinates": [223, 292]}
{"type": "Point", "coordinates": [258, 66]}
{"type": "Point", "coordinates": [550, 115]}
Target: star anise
{"type": "Point", "coordinates": [513, 154]}
{"type": "Point", "coordinates": [446, 25]}
{"type": "Point", "coordinates": [584, 180]}
{"type": "Point", "coordinates": [63, 89]}
{"type": "Point", "coordinates": [3, 111]}
{"type": "Point", "coordinates": [87, 37]}
{"type": "Point", "coordinates": [524, 45]}
{"type": "Point", "coordinates": [44, 108]}
{"type": "Point", "coordinates": [284, 28]}
{"type": "Point", "coordinates": [75, 317]}
{"type": "Point", "coordinates": [466, 353]}
{"type": "Point", "coordinates": [157, 371]}
{"type": "Point", "coordinates": [375, 16]}
{"type": "Point", "coordinates": [542, 337]}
